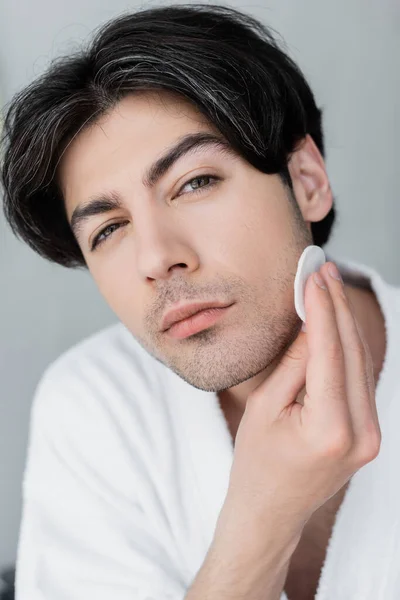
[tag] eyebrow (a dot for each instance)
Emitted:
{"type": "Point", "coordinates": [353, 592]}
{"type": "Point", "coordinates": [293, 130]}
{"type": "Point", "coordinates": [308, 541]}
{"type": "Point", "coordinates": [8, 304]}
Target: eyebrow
{"type": "Point", "coordinates": [188, 144]}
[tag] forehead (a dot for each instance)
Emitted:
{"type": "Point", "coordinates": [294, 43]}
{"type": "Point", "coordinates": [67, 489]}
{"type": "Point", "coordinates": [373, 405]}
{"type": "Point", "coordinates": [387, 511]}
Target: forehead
{"type": "Point", "coordinates": [140, 126]}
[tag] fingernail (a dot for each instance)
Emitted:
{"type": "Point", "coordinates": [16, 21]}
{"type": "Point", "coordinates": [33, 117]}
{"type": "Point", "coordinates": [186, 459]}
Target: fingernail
{"type": "Point", "coordinates": [319, 281]}
{"type": "Point", "coordinates": [334, 272]}
{"type": "Point", "coordinates": [303, 327]}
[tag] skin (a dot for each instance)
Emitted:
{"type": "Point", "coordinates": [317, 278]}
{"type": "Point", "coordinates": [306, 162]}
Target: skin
{"type": "Point", "coordinates": [197, 246]}
{"type": "Point", "coordinates": [237, 241]}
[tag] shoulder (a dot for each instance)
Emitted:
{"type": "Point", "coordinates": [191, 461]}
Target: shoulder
{"type": "Point", "coordinates": [108, 364]}
{"type": "Point", "coordinates": [102, 403]}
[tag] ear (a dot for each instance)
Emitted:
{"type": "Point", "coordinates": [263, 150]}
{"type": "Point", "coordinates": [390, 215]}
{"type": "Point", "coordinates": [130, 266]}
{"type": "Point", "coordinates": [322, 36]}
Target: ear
{"type": "Point", "coordinates": [310, 181]}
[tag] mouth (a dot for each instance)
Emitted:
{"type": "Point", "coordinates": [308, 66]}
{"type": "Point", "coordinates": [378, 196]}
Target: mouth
{"type": "Point", "coordinates": [197, 322]}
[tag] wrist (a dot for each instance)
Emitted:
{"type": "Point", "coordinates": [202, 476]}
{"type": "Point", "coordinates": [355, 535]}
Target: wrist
{"type": "Point", "coordinates": [239, 533]}
{"type": "Point", "coordinates": [241, 572]}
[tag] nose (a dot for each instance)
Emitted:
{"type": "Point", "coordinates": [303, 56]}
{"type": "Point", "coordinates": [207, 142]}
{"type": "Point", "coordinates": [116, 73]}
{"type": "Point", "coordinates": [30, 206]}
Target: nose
{"type": "Point", "coordinates": [163, 248]}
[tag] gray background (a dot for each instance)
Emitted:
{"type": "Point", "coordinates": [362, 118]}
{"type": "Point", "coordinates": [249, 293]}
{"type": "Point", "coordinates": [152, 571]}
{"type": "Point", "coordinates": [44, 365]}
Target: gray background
{"type": "Point", "coordinates": [348, 49]}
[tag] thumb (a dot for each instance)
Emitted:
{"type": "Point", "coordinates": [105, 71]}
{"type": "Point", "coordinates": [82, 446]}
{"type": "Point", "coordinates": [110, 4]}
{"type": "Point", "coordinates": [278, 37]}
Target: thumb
{"type": "Point", "coordinates": [283, 385]}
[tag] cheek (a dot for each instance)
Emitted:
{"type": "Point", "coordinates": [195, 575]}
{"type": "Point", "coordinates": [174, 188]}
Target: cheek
{"type": "Point", "coordinates": [251, 242]}
{"type": "Point", "coordinates": [115, 280]}
{"type": "Point", "coordinates": [254, 240]}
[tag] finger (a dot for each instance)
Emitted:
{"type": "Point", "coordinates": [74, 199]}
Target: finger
{"type": "Point", "coordinates": [358, 384]}
{"type": "Point", "coordinates": [369, 361]}
{"type": "Point", "coordinates": [368, 357]}
{"type": "Point", "coordinates": [325, 401]}
{"type": "Point", "coordinates": [282, 386]}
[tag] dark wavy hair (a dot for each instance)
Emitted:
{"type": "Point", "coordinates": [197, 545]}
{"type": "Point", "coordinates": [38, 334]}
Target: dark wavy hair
{"type": "Point", "coordinates": [225, 62]}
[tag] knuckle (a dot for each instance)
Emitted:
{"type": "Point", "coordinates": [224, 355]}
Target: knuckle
{"type": "Point", "coordinates": [338, 444]}
{"type": "Point", "coordinates": [371, 447]}
{"type": "Point", "coordinates": [335, 388]}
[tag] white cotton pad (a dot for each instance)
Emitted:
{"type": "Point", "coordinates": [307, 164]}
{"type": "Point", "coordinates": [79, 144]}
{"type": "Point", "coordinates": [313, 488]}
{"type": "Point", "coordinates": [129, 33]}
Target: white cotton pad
{"type": "Point", "coordinates": [310, 261]}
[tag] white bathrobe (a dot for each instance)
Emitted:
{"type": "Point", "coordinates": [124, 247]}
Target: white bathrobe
{"type": "Point", "coordinates": [128, 466]}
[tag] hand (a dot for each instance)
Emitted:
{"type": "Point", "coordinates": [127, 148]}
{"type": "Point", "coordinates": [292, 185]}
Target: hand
{"type": "Point", "coordinates": [290, 458]}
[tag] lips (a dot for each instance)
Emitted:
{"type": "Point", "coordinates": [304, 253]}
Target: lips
{"type": "Point", "coordinates": [184, 311]}
{"type": "Point", "coordinates": [203, 319]}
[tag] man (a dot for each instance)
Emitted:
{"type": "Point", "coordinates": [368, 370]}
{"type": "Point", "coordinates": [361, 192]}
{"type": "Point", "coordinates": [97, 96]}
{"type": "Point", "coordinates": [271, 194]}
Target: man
{"type": "Point", "coordinates": [179, 158]}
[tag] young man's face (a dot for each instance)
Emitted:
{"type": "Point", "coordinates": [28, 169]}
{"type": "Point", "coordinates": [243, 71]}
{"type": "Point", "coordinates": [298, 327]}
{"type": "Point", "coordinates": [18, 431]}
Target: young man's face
{"type": "Point", "coordinates": [235, 239]}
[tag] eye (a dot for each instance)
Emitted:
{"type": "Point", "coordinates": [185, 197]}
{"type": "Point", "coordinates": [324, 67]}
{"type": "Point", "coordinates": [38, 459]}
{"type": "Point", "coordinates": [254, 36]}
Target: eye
{"type": "Point", "coordinates": [105, 233]}
{"type": "Point", "coordinates": [199, 178]}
